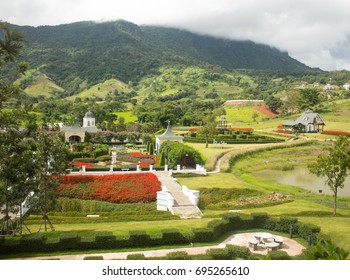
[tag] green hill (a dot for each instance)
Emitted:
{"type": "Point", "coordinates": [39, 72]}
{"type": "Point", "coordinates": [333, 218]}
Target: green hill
{"type": "Point", "coordinates": [87, 52]}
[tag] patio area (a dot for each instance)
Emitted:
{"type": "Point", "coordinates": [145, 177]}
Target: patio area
{"type": "Point", "coordinates": [265, 243]}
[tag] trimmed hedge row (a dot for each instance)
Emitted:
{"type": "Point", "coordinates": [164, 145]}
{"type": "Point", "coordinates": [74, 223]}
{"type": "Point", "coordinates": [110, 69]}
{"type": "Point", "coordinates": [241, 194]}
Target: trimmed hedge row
{"type": "Point", "coordinates": [85, 240]}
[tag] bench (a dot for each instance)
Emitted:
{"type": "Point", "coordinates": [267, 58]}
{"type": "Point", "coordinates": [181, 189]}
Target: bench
{"type": "Point", "coordinates": [278, 239]}
{"type": "Point", "coordinates": [92, 216]}
{"type": "Point", "coordinates": [125, 169]}
{"type": "Point", "coordinates": [253, 242]}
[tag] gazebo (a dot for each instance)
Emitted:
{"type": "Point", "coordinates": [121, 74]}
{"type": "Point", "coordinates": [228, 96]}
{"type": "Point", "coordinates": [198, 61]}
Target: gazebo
{"type": "Point", "coordinates": [222, 124]}
{"type": "Point", "coordinates": [168, 135]}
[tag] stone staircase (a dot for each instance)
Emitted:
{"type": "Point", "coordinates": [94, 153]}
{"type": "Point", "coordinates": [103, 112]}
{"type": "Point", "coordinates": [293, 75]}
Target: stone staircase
{"type": "Point", "coordinates": [182, 205]}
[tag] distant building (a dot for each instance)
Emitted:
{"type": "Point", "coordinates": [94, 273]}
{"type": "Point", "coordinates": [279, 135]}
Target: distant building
{"type": "Point", "coordinates": [346, 86]}
{"type": "Point", "coordinates": [307, 123]}
{"type": "Point", "coordinates": [76, 133]}
{"type": "Point", "coordinates": [168, 135]}
{"type": "Point", "coordinates": [329, 87]}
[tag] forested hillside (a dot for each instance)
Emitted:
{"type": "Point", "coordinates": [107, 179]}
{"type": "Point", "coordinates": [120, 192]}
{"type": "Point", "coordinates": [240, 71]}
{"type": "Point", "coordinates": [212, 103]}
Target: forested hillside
{"type": "Point", "coordinates": [91, 52]}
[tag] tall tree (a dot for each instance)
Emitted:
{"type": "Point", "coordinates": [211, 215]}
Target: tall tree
{"type": "Point", "coordinates": [334, 166]}
{"type": "Point", "coordinates": [309, 98]}
{"type": "Point", "coordinates": [53, 156]}
{"type": "Point", "coordinates": [18, 167]}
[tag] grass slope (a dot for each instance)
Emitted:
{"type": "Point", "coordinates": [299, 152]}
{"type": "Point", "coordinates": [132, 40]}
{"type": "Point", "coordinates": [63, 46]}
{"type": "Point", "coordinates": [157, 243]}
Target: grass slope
{"type": "Point", "coordinates": [101, 90]}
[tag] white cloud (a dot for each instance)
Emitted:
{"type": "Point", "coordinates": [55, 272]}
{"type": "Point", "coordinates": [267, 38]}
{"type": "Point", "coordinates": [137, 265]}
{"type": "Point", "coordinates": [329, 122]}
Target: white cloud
{"type": "Point", "coordinates": [315, 32]}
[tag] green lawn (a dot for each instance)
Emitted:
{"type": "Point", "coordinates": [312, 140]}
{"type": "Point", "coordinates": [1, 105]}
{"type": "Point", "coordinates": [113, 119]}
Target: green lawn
{"type": "Point", "coordinates": [123, 228]}
{"type": "Point", "coordinates": [102, 89]}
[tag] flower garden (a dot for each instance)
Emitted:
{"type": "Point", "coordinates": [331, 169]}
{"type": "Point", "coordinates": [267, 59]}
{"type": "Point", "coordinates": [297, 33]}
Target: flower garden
{"type": "Point", "coordinates": [116, 188]}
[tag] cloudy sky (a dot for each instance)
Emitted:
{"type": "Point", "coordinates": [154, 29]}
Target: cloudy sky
{"type": "Point", "coordinates": [315, 32]}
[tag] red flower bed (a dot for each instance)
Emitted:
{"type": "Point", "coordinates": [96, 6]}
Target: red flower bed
{"type": "Point", "coordinates": [117, 188]}
{"type": "Point", "coordinates": [80, 164]}
{"type": "Point", "coordinates": [266, 111]}
{"type": "Point", "coordinates": [336, 132]}
{"type": "Point", "coordinates": [193, 129]}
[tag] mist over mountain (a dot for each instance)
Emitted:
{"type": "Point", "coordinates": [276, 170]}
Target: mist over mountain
{"type": "Point", "coordinates": [94, 52]}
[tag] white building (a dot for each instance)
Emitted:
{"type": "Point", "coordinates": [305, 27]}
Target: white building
{"type": "Point", "coordinates": [168, 135]}
{"type": "Point", "coordinates": [76, 133]}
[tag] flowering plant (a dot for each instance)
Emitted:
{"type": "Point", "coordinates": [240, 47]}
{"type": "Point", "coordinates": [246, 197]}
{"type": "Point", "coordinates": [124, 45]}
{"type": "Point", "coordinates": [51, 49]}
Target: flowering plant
{"type": "Point", "coordinates": [117, 188]}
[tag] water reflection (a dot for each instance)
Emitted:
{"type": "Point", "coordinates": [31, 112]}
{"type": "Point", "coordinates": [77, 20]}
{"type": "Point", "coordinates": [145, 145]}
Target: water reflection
{"type": "Point", "coordinates": [302, 178]}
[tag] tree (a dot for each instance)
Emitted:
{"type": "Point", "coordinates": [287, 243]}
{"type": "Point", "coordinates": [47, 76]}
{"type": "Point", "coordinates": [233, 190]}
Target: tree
{"type": "Point", "coordinates": [309, 98]}
{"type": "Point", "coordinates": [255, 115]}
{"type": "Point", "coordinates": [53, 156]}
{"type": "Point", "coordinates": [10, 46]}
{"type": "Point", "coordinates": [208, 128]}
{"type": "Point", "coordinates": [18, 164]}
{"type": "Point", "coordinates": [19, 170]}
{"type": "Point", "coordinates": [273, 103]}
{"type": "Point", "coordinates": [151, 149]}
{"type": "Point", "coordinates": [291, 102]}
{"type": "Point", "coordinates": [334, 166]}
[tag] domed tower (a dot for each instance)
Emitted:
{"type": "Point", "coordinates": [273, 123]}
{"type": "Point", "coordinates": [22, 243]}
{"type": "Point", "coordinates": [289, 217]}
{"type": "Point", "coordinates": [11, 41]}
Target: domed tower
{"type": "Point", "coordinates": [89, 120]}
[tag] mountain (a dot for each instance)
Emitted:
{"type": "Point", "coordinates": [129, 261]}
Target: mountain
{"type": "Point", "coordinates": [88, 52]}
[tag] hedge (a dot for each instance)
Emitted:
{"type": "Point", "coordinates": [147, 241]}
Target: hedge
{"type": "Point", "coordinates": [85, 240]}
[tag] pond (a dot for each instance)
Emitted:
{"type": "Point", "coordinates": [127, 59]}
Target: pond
{"type": "Point", "coordinates": [302, 178]}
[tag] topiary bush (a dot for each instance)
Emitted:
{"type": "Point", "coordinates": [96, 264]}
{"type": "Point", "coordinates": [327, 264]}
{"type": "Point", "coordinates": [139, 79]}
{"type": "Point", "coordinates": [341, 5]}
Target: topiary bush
{"type": "Point", "coordinates": [278, 255]}
{"type": "Point", "coordinates": [203, 234]}
{"type": "Point", "coordinates": [178, 256]}
{"type": "Point", "coordinates": [93, 258]}
{"type": "Point", "coordinates": [173, 236]}
{"type": "Point", "coordinates": [238, 252]}
{"type": "Point", "coordinates": [306, 230]}
{"type": "Point", "coordinates": [218, 254]}
{"type": "Point", "coordinates": [139, 238]}
{"type": "Point", "coordinates": [136, 257]}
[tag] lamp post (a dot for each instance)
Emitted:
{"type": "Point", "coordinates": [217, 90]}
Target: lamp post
{"type": "Point", "coordinates": [291, 231]}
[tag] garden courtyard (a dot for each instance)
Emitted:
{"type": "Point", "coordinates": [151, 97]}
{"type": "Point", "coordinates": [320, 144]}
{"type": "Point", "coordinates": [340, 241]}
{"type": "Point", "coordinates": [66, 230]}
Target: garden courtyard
{"type": "Point", "coordinates": [239, 190]}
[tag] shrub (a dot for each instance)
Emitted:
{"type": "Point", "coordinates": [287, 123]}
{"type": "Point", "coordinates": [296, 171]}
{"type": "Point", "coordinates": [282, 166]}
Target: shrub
{"type": "Point", "coordinates": [173, 236]}
{"type": "Point", "coordinates": [93, 258]}
{"type": "Point", "coordinates": [287, 166]}
{"type": "Point", "coordinates": [32, 242]}
{"type": "Point", "coordinates": [218, 254]}
{"type": "Point", "coordinates": [305, 230]}
{"type": "Point", "coordinates": [219, 227]}
{"type": "Point", "coordinates": [178, 256]}
{"type": "Point", "coordinates": [139, 238]}
{"type": "Point", "coordinates": [105, 240]}
{"type": "Point", "coordinates": [203, 234]}
{"type": "Point", "coordinates": [238, 252]}
{"type": "Point", "coordinates": [278, 255]}
{"type": "Point", "coordinates": [136, 257]}
{"type": "Point", "coordinates": [69, 241]}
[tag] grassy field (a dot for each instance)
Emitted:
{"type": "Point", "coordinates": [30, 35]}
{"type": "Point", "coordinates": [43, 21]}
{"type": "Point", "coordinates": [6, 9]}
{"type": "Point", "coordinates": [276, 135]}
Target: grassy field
{"type": "Point", "coordinates": [128, 116]}
{"type": "Point", "coordinates": [335, 114]}
{"type": "Point", "coordinates": [102, 89]}
{"type": "Point", "coordinates": [306, 206]}
{"type": "Point", "coordinates": [123, 228]}
{"type": "Point", "coordinates": [42, 86]}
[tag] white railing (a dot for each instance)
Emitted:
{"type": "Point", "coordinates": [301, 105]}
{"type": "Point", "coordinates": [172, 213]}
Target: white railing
{"type": "Point", "coordinates": [192, 195]}
{"type": "Point", "coordinates": [165, 201]}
